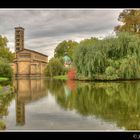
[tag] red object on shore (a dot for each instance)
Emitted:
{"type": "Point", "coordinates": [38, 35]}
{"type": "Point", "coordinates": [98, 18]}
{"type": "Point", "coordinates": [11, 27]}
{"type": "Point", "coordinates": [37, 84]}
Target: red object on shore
{"type": "Point", "coordinates": [71, 74]}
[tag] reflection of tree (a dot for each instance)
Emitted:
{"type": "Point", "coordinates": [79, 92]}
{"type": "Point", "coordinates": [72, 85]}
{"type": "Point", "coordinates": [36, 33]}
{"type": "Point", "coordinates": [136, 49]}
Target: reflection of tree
{"type": "Point", "coordinates": [114, 102]}
{"type": "Point", "coordinates": [5, 100]}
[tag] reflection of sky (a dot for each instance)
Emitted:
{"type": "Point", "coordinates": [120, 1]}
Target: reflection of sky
{"type": "Point", "coordinates": [46, 114]}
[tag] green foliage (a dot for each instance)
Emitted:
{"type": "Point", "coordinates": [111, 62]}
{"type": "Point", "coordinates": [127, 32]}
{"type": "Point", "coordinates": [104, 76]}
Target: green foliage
{"type": "Point", "coordinates": [109, 59]}
{"type": "Point", "coordinates": [2, 125]}
{"type": "Point", "coordinates": [4, 50]}
{"type": "Point", "coordinates": [55, 67]}
{"type": "Point", "coordinates": [6, 57]}
{"type": "Point", "coordinates": [3, 79]}
{"type": "Point", "coordinates": [110, 70]}
{"type": "Point", "coordinates": [65, 46]}
{"type": "Point", "coordinates": [130, 20]}
{"type": "Point", "coordinates": [3, 41]}
{"type": "Point", "coordinates": [5, 68]}
{"type": "Point", "coordinates": [7, 54]}
{"type": "Point", "coordinates": [61, 77]}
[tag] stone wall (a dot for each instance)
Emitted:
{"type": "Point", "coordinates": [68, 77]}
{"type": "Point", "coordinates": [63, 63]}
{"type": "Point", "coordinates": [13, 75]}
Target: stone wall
{"type": "Point", "coordinates": [29, 63]}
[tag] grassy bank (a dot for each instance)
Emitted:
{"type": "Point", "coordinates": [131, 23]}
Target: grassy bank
{"type": "Point", "coordinates": [4, 79]}
{"type": "Point", "coordinates": [102, 78]}
{"type": "Point", "coordinates": [60, 77]}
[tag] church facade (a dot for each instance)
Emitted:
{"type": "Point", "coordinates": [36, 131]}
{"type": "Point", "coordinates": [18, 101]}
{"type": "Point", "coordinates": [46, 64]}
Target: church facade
{"type": "Point", "coordinates": [27, 62]}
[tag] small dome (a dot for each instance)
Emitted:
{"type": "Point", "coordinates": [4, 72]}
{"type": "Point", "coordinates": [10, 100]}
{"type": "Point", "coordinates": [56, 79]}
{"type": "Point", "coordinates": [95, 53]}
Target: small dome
{"type": "Point", "coordinates": [67, 59]}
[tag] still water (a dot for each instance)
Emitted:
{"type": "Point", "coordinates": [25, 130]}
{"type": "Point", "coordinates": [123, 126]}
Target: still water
{"type": "Point", "coordinates": [45, 104]}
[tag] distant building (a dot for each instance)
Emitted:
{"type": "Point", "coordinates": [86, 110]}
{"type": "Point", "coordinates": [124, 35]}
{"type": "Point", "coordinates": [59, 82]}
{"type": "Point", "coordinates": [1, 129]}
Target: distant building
{"type": "Point", "coordinates": [67, 60]}
{"type": "Point", "coordinates": [27, 62]}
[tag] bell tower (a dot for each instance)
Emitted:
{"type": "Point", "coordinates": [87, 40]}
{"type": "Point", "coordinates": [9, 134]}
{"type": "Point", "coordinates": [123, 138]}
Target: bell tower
{"type": "Point", "coordinates": [19, 38]}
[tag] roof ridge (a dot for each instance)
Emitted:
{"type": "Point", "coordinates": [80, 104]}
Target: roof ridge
{"type": "Point", "coordinates": [33, 51]}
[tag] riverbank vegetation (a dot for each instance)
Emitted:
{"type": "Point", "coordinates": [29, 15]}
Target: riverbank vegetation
{"type": "Point", "coordinates": [109, 59]}
{"type": "Point", "coordinates": [3, 79]}
{"type": "Point", "coordinates": [5, 69]}
{"type": "Point", "coordinates": [55, 67]}
{"type": "Point", "coordinates": [60, 77]}
{"type": "Point", "coordinates": [6, 58]}
{"type": "Point", "coordinates": [112, 58]}
{"type": "Point", "coordinates": [2, 125]}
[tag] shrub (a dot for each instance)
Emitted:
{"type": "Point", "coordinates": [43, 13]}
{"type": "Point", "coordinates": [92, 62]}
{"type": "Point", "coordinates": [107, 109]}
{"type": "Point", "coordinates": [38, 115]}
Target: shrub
{"type": "Point", "coordinates": [5, 69]}
{"type": "Point", "coordinates": [55, 67]}
{"type": "Point", "coordinates": [110, 71]}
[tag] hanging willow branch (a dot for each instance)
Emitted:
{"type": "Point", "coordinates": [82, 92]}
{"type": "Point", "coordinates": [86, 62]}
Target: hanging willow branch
{"type": "Point", "coordinates": [110, 58]}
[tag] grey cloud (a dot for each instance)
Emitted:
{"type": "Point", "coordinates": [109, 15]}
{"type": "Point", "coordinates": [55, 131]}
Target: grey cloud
{"type": "Point", "coordinates": [44, 29]}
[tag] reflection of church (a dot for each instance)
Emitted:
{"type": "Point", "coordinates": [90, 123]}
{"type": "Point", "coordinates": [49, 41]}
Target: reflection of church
{"type": "Point", "coordinates": [27, 91]}
{"type": "Point", "coordinates": [20, 113]}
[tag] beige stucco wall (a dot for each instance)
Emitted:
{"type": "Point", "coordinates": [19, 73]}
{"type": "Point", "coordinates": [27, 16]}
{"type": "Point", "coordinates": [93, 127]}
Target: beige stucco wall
{"type": "Point", "coordinates": [23, 67]}
{"type": "Point", "coordinates": [29, 63]}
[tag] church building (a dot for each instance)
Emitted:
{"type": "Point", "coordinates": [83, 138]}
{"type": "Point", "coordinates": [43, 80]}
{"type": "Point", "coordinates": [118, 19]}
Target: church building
{"type": "Point", "coordinates": [27, 62]}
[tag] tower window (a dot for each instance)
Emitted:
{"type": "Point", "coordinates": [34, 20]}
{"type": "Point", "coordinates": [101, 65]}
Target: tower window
{"type": "Point", "coordinates": [17, 44]}
{"type": "Point", "coordinates": [17, 49]}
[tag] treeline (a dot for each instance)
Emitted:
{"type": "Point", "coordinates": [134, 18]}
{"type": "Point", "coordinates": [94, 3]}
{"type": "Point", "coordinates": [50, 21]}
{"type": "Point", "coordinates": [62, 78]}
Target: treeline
{"type": "Point", "coordinates": [112, 58]}
{"type": "Point", "coordinates": [109, 59]}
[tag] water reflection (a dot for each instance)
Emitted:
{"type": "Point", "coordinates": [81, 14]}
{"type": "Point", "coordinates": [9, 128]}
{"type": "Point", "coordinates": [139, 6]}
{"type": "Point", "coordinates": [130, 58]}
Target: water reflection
{"type": "Point", "coordinates": [113, 102]}
{"type": "Point", "coordinates": [6, 96]}
{"type": "Point", "coordinates": [27, 91]}
{"type": "Point", "coordinates": [68, 102]}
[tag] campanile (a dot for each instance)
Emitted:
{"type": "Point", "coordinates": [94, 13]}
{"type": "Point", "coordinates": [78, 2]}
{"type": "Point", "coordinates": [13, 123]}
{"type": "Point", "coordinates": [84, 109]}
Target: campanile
{"type": "Point", "coordinates": [19, 38]}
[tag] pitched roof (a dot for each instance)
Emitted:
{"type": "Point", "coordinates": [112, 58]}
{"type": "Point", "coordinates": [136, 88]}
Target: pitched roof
{"type": "Point", "coordinates": [33, 51]}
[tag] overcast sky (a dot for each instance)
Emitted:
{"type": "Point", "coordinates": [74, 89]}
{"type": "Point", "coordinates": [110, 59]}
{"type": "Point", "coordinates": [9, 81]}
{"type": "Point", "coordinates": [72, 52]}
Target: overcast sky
{"type": "Point", "coordinates": [45, 28]}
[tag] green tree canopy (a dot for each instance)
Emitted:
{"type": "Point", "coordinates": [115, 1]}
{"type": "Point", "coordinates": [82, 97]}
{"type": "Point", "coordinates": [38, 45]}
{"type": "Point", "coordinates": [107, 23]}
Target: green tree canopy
{"type": "Point", "coordinates": [5, 68]}
{"type": "Point", "coordinates": [65, 46]}
{"type": "Point", "coordinates": [109, 59]}
{"type": "Point", "coordinates": [130, 20]}
{"type": "Point", "coordinates": [55, 67]}
{"type": "Point", "coordinates": [4, 50]}
{"type": "Point", "coordinates": [3, 41]}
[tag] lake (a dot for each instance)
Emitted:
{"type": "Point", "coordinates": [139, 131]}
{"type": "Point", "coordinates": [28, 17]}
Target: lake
{"type": "Point", "coordinates": [48, 104]}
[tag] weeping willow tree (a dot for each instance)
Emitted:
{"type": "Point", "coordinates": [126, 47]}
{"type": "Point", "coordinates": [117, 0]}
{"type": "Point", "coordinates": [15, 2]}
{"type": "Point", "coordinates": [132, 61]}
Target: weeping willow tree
{"type": "Point", "coordinates": [109, 59]}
